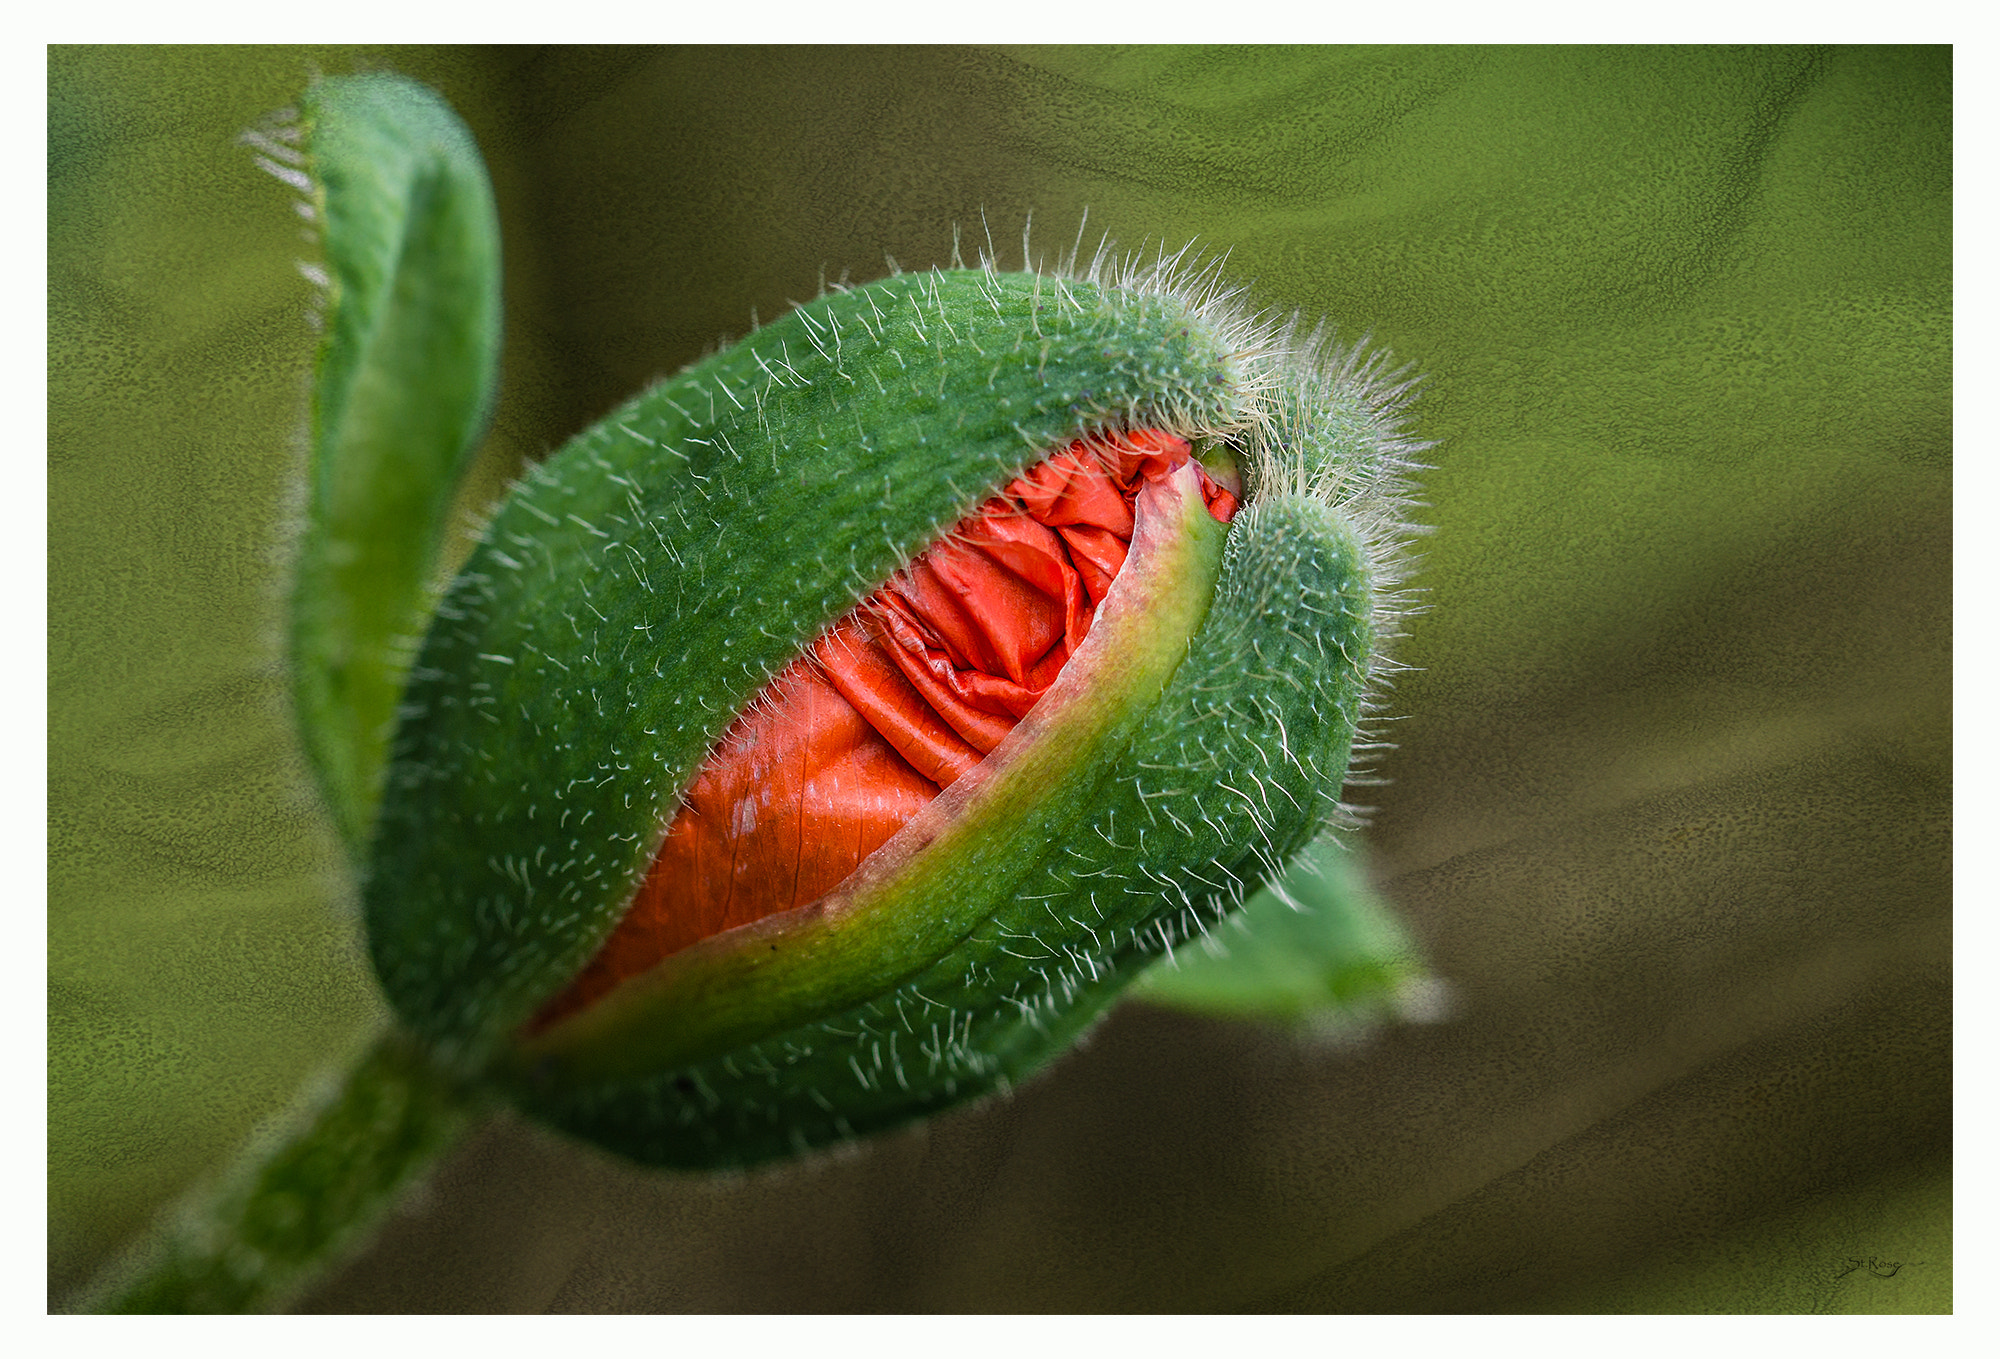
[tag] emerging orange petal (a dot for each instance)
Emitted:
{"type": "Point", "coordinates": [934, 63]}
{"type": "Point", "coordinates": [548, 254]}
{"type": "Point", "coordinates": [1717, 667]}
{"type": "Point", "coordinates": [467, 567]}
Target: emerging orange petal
{"type": "Point", "coordinates": [891, 704]}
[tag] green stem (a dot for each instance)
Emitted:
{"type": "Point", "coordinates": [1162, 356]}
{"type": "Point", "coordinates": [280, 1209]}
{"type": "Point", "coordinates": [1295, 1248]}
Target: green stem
{"type": "Point", "coordinates": [297, 1203]}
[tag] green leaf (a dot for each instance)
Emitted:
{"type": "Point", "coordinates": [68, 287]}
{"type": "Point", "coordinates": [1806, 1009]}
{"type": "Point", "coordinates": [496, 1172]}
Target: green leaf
{"type": "Point", "coordinates": [404, 386]}
{"type": "Point", "coordinates": [1320, 946]}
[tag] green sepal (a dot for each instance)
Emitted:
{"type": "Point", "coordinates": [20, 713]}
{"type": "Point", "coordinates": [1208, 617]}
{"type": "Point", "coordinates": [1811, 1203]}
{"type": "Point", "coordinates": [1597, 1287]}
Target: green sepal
{"type": "Point", "coordinates": [403, 388]}
{"type": "Point", "coordinates": [1317, 948]}
{"type": "Point", "coordinates": [1235, 766]}
{"type": "Point", "coordinates": [635, 591]}
{"type": "Point", "coordinates": [948, 869]}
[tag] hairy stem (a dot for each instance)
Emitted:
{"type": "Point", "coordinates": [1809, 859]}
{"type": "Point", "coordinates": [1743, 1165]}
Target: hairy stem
{"type": "Point", "coordinates": [300, 1198]}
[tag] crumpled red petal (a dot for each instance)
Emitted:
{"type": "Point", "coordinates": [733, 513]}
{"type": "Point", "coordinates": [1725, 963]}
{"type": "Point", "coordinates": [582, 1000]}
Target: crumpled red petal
{"type": "Point", "coordinates": [891, 704]}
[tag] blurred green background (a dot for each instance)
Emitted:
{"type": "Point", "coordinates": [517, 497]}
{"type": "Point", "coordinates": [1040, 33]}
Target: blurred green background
{"type": "Point", "coordinates": [1670, 808]}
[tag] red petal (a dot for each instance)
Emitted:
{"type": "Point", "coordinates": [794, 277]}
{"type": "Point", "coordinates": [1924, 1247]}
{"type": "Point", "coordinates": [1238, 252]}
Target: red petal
{"type": "Point", "coordinates": [891, 704]}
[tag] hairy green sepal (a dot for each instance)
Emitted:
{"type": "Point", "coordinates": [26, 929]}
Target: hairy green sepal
{"type": "Point", "coordinates": [403, 388]}
{"type": "Point", "coordinates": [1206, 793]}
{"type": "Point", "coordinates": [947, 871]}
{"type": "Point", "coordinates": [641, 586]}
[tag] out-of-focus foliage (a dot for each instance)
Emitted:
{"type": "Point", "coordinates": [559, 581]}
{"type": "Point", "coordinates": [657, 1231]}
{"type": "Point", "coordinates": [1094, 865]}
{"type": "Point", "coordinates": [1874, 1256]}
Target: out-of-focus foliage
{"type": "Point", "coordinates": [1318, 948]}
{"type": "Point", "coordinates": [1670, 810]}
{"type": "Point", "coordinates": [403, 216]}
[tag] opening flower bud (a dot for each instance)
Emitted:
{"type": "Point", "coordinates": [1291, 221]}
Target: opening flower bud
{"type": "Point", "coordinates": [916, 688]}
{"type": "Point", "coordinates": [828, 735]}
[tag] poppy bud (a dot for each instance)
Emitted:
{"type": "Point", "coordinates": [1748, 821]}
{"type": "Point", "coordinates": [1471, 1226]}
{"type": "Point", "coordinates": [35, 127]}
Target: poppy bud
{"type": "Point", "coordinates": [829, 734]}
